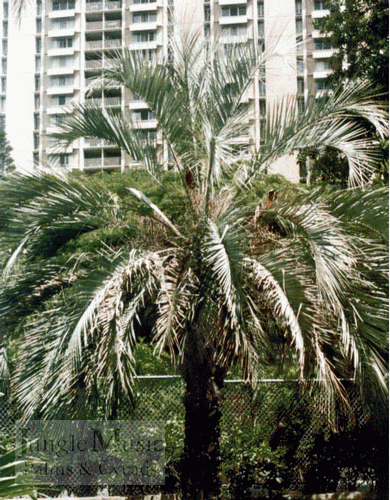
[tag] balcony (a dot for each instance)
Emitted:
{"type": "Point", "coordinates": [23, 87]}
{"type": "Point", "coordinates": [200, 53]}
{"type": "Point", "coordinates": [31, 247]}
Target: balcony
{"type": "Point", "coordinates": [153, 45]}
{"type": "Point", "coordinates": [69, 70]}
{"type": "Point", "coordinates": [93, 162]}
{"type": "Point", "coordinates": [323, 54]}
{"type": "Point", "coordinates": [231, 2]}
{"type": "Point", "coordinates": [321, 74]}
{"type": "Point", "coordinates": [56, 109]}
{"type": "Point", "coordinates": [317, 34]}
{"type": "Point", "coordinates": [233, 20]}
{"type": "Point", "coordinates": [57, 32]}
{"type": "Point", "coordinates": [94, 45]}
{"type": "Point", "coordinates": [65, 51]}
{"type": "Point", "coordinates": [94, 26]}
{"type": "Point", "coordinates": [112, 101]}
{"type": "Point", "coordinates": [138, 105]}
{"type": "Point", "coordinates": [112, 44]}
{"type": "Point", "coordinates": [94, 64]}
{"type": "Point", "coordinates": [146, 26]}
{"type": "Point", "coordinates": [94, 6]}
{"type": "Point", "coordinates": [318, 14]}
{"type": "Point", "coordinates": [113, 6]}
{"type": "Point", "coordinates": [61, 89]}
{"type": "Point", "coordinates": [145, 7]}
{"type": "Point", "coordinates": [93, 142]}
{"type": "Point", "coordinates": [113, 24]}
{"type": "Point", "coordinates": [146, 124]}
{"type": "Point", "coordinates": [112, 161]}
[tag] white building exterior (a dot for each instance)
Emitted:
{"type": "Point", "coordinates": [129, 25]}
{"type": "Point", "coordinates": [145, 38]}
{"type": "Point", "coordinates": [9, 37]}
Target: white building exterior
{"type": "Point", "coordinates": [76, 39]}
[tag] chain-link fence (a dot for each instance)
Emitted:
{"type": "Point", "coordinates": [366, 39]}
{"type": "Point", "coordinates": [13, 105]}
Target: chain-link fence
{"type": "Point", "coordinates": [279, 429]}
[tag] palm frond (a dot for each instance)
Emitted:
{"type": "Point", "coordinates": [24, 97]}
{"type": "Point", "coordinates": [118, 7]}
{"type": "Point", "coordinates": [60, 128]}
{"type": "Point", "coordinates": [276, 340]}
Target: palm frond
{"type": "Point", "coordinates": [89, 120]}
{"type": "Point", "coordinates": [341, 120]}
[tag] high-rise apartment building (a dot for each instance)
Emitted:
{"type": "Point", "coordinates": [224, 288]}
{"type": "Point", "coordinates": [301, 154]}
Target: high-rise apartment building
{"type": "Point", "coordinates": [76, 39]}
{"type": "Point", "coordinates": [4, 55]}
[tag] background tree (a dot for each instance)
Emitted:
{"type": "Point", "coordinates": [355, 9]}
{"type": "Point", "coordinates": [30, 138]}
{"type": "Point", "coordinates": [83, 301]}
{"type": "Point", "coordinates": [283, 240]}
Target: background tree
{"type": "Point", "coordinates": [6, 161]}
{"type": "Point", "coordinates": [360, 34]}
{"type": "Point", "coordinates": [211, 277]}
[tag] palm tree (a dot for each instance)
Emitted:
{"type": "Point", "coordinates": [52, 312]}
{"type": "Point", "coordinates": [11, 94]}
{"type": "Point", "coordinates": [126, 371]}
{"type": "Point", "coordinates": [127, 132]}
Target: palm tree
{"type": "Point", "coordinates": [214, 276]}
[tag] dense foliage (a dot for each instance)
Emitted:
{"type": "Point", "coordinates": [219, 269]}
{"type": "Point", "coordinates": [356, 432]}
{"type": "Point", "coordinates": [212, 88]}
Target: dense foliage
{"type": "Point", "coordinates": [219, 282]}
{"type": "Point", "coordinates": [360, 34]}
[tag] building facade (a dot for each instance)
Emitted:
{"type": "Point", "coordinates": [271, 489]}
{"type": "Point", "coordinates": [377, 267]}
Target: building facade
{"type": "Point", "coordinates": [4, 61]}
{"type": "Point", "coordinates": [76, 39]}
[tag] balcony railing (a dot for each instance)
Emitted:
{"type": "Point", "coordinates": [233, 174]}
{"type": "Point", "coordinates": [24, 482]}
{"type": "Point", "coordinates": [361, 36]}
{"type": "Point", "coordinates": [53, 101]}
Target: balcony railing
{"type": "Point", "coordinates": [93, 64]}
{"type": "Point", "coordinates": [91, 6]}
{"type": "Point", "coordinates": [113, 5]}
{"type": "Point", "coordinates": [112, 101]}
{"type": "Point", "coordinates": [94, 44]}
{"type": "Point", "coordinates": [111, 44]}
{"type": "Point", "coordinates": [117, 23]}
{"type": "Point", "coordinates": [96, 25]}
{"type": "Point", "coordinates": [92, 162]}
{"type": "Point", "coordinates": [112, 161]}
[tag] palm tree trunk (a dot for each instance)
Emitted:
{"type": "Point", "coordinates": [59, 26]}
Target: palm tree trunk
{"type": "Point", "coordinates": [201, 459]}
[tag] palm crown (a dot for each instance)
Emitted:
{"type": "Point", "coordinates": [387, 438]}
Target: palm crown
{"type": "Point", "coordinates": [214, 276]}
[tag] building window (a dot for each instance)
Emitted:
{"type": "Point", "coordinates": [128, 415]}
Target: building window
{"type": "Point", "coordinates": [260, 9]}
{"type": "Point", "coordinates": [143, 36]}
{"type": "Point", "coordinates": [37, 64]}
{"type": "Point", "coordinates": [37, 101]}
{"type": "Point", "coordinates": [301, 105]}
{"type": "Point", "coordinates": [323, 65]}
{"type": "Point", "coordinates": [62, 24]}
{"type": "Point", "coordinates": [143, 1]}
{"type": "Point", "coordinates": [322, 85]}
{"type": "Point", "coordinates": [37, 83]}
{"type": "Point", "coordinates": [38, 25]}
{"type": "Point", "coordinates": [262, 89]}
{"type": "Point", "coordinates": [61, 81]}
{"type": "Point", "coordinates": [143, 115]}
{"type": "Point", "coordinates": [39, 8]}
{"type": "Point", "coordinates": [4, 84]}
{"type": "Point", "coordinates": [207, 13]}
{"type": "Point", "coordinates": [38, 45]}
{"type": "Point", "coordinates": [62, 62]}
{"type": "Point", "coordinates": [5, 10]}
{"type": "Point", "coordinates": [36, 121]}
{"type": "Point", "coordinates": [322, 44]}
{"type": "Point", "coordinates": [5, 47]}
{"type": "Point", "coordinates": [262, 107]}
{"type": "Point", "coordinates": [233, 10]}
{"type": "Point", "coordinates": [5, 28]}
{"type": "Point", "coordinates": [260, 28]}
{"type": "Point", "coordinates": [60, 100]}
{"type": "Point", "coordinates": [300, 86]}
{"type": "Point", "coordinates": [63, 160]}
{"type": "Point", "coordinates": [299, 26]}
{"type": "Point", "coordinates": [300, 67]}
{"type": "Point", "coordinates": [144, 17]}
{"type": "Point", "coordinates": [36, 141]}
{"type": "Point", "coordinates": [4, 66]}
{"type": "Point", "coordinates": [233, 30]}
{"type": "Point", "coordinates": [69, 5]}
{"type": "Point", "coordinates": [62, 43]}
{"type": "Point", "coordinates": [319, 5]}
{"type": "Point", "coordinates": [298, 7]}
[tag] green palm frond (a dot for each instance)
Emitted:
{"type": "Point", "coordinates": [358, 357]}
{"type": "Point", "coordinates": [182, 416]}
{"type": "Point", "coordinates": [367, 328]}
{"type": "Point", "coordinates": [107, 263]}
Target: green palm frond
{"type": "Point", "coordinates": [89, 120]}
{"type": "Point", "coordinates": [342, 120]}
{"type": "Point", "coordinates": [176, 303]}
{"type": "Point", "coordinates": [14, 480]}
